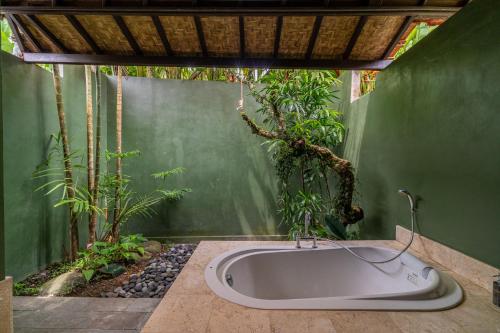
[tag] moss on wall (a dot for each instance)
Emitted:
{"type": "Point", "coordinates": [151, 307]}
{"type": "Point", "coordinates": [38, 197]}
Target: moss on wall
{"type": "Point", "coordinates": [432, 126]}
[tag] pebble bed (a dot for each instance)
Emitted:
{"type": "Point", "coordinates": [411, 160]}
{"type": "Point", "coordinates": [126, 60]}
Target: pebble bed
{"type": "Point", "coordinates": [157, 276]}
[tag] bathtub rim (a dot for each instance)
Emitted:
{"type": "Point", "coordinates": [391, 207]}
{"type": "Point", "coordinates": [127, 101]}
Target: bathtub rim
{"type": "Point", "coordinates": [214, 280]}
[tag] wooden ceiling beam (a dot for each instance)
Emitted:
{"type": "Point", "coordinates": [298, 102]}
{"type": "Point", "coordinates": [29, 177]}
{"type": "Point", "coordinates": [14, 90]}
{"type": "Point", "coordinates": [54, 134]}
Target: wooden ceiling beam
{"type": "Point", "coordinates": [314, 36]}
{"type": "Point", "coordinates": [427, 11]}
{"type": "Point", "coordinates": [406, 24]}
{"type": "Point", "coordinates": [47, 33]}
{"type": "Point", "coordinates": [16, 33]}
{"type": "Point", "coordinates": [128, 35]}
{"type": "Point", "coordinates": [102, 59]}
{"type": "Point", "coordinates": [162, 34]}
{"type": "Point", "coordinates": [201, 36]}
{"type": "Point", "coordinates": [355, 36]}
{"type": "Point", "coordinates": [27, 33]}
{"type": "Point", "coordinates": [84, 34]}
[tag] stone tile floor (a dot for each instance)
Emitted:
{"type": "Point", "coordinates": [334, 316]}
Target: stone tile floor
{"type": "Point", "coordinates": [81, 314]}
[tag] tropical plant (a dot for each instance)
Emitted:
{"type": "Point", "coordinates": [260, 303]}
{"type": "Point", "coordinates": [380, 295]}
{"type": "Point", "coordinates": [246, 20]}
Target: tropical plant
{"type": "Point", "coordinates": [302, 131]}
{"type": "Point", "coordinates": [5, 36]}
{"type": "Point", "coordinates": [131, 203]}
{"type": "Point", "coordinates": [420, 31]}
{"type": "Point", "coordinates": [127, 248]}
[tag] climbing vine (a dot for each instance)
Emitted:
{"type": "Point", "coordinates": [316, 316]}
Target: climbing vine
{"type": "Point", "coordinates": [302, 131]}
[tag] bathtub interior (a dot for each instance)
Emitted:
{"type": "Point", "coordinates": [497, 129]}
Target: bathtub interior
{"type": "Point", "coordinates": [294, 274]}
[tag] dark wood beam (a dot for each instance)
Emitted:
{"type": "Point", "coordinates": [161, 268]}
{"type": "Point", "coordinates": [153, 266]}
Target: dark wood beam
{"type": "Point", "coordinates": [15, 31]}
{"type": "Point", "coordinates": [428, 11]}
{"type": "Point", "coordinates": [201, 36]}
{"type": "Point", "coordinates": [162, 34]}
{"type": "Point", "coordinates": [354, 37]}
{"type": "Point", "coordinates": [128, 35]}
{"type": "Point", "coordinates": [406, 24]}
{"type": "Point", "coordinates": [242, 36]}
{"type": "Point", "coordinates": [277, 36]}
{"type": "Point", "coordinates": [27, 33]}
{"type": "Point", "coordinates": [314, 36]}
{"type": "Point", "coordinates": [422, 2]}
{"type": "Point", "coordinates": [102, 59]}
{"type": "Point", "coordinates": [46, 33]}
{"type": "Point", "coordinates": [84, 34]}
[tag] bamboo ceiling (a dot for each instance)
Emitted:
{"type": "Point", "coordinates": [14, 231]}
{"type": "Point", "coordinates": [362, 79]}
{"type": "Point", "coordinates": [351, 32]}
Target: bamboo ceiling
{"type": "Point", "coordinates": [342, 34]}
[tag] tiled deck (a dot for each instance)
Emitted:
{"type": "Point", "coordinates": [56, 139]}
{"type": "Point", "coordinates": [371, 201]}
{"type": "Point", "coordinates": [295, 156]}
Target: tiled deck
{"type": "Point", "coordinates": [190, 306]}
{"type": "Point", "coordinates": [81, 314]}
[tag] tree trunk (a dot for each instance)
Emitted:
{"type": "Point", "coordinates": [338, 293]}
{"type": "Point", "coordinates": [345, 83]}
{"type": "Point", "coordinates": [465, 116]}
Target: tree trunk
{"type": "Point", "coordinates": [90, 153]}
{"type": "Point", "coordinates": [348, 213]}
{"type": "Point", "coordinates": [68, 169]}
{"type": "Point", "coordinates": [115, 231]}
{"type": "Point", "coordinates": [97, 143]}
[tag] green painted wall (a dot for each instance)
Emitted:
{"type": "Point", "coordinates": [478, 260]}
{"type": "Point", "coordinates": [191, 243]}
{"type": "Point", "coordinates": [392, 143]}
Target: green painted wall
{"type": "Point", "coordinates": [35, 232]}
{"type": "Point", "coordinates": [2, 224]}
{"type": "Point", "coordinates": [432, 125]}
{"type": "Point", "coordinates": [194, 124]}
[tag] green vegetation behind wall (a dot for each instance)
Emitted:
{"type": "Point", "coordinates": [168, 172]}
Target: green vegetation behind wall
{"type": "Point", "coordinates": [432, 126]}
{"type": "Point", "coordinates": [195, 125]}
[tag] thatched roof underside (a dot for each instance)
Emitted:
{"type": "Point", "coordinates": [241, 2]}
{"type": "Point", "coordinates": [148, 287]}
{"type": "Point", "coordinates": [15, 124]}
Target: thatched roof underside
{"type": "Point", "coordinates": [354, 35]}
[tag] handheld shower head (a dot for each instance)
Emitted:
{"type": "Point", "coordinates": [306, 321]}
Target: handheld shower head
{"type": "Point", "coordinates": [410, 198]}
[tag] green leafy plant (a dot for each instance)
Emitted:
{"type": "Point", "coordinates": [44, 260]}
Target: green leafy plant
{"type": "Point", "coordinates": [52, 172]}
{"type": "Point", "coordinates": [132, 203]}
{"type": "Point", "coordinates": [302, 131]}
{"type": "Point", "coordinates": [100, 254]}
{"type": "Point", "coordinates": [21, 289]}
{"type": "Point", "coordinates": [5, 36]}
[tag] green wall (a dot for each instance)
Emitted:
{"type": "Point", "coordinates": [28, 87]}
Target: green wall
{"type": "Point", "coordinates": [35, 232]}
{"type": "Point", "coordinates": [2, 220]}
{"type": "Point", "coordinates": [194, 124]}
{"type": "Point", "coordinates": [432, 125]}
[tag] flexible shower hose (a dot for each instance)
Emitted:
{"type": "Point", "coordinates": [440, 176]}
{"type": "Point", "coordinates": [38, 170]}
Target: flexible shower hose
{"type": "Point", "coordinates": [413, 217]}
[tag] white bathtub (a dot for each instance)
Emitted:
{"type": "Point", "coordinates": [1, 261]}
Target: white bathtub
{"type": "Point", "coordinates": [329, 278]}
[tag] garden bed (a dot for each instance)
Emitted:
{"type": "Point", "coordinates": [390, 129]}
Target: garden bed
{"type": "Point", "coordinates": [150, 278]}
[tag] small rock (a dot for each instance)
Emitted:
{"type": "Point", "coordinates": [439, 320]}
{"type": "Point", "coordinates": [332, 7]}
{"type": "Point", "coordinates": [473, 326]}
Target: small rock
{"type": "Point", "coordinates": [62, 284]}
{"type": "Point", "coordinates": [138, 287]}
{"type": "Point", "coordinates": [152, 246]}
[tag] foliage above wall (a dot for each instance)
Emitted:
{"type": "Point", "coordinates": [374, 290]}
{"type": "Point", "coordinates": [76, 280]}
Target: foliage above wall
{"type": "Point", "coordinates": [302, 131]}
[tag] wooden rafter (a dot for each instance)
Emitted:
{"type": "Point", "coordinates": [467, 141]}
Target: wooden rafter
{"type": "Point", "coordinates": [128, 35]}
{"type": "Point", "coordinates": [16, 33]}
{"type": "Point", "coordinates": [201, 36]}
{"type": "Point", "coordinates": [84, 34]}
{"type": "Point", "coordinates": [27, 33]}
{"type": "Point", "coordinates": [162, 34]}
{"type": "Point", "coordinates": [58, 58]}
{"type": "Point", "coordinates": [354, 37]}
{"type": "Point", "coordinates": [314, 36]}
{"type": "Point", "coordinates": [427, 11]}
{"type": "Point", "coordinates": [47, 33]}
{"type": "Point", "coordinates": [406, 24]}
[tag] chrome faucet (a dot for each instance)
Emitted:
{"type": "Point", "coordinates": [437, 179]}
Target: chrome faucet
{"type": "Point", "coordinates": [306, 236]}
